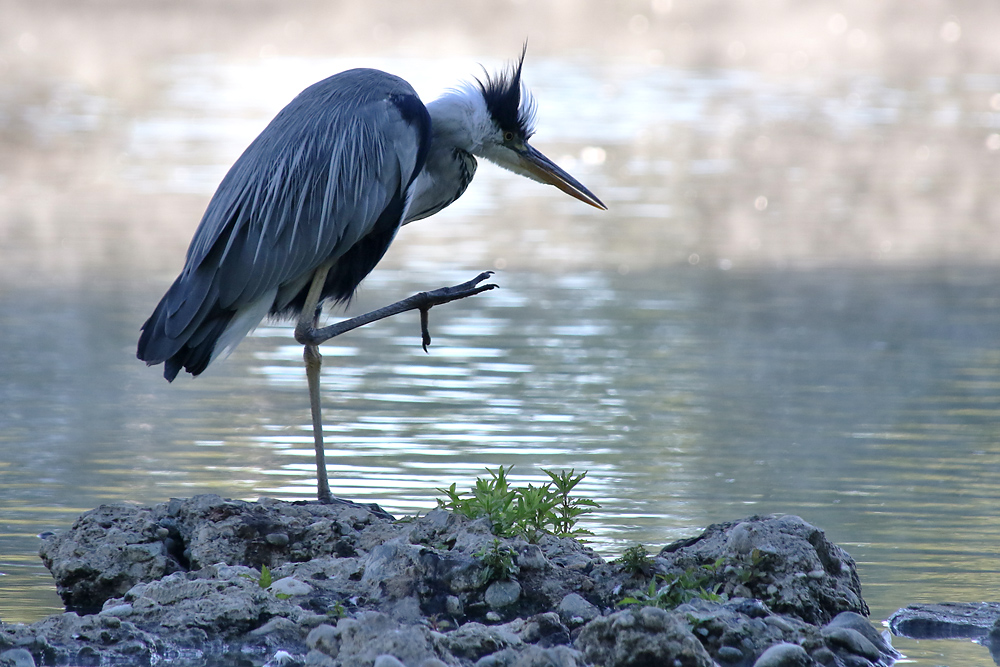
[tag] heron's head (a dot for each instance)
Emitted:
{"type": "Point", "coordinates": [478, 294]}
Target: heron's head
{"type": "Point", "coordinates": [506, 126]}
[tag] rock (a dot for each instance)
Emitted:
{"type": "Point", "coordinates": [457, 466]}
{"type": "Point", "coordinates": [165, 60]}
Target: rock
{"type": "Point", "coordinates": [371, 635]}
{"type": "Point", "coordinates": [16, 657]}
{"type": "Point", "coordinates": [648, 636]}
{"type": "Point", "coordinates": [534, 656]}
{"type": "Point", "coordinates": [730, 655]}
{"type": "Point", "coordinates": [852, 641]}
{"type": "Point", "coordinates": [106, 552]}
{"type": "Point", "coordinates": [475, 640]}
{"type": "Point", "coordinates": [69, 638]}
{"type": "Point", "coordinates": [502, 594]}
{"type": "Point", "coordinates": [215, 602]}
{"type": "Point", "coordinates": [781, 560]}
{"type": "Point", "coordinates": [277, 539]}
{"type": "Point", "coordinates": [862, 625]}
{"type": "Point", "coordinates": [946, 620]}
{"type": "Point", "coordinates": [545, 630]}
{"type": "Point", "coordinates": [575, 610]}
{"type": "Point", "coordinates": [784, 655]}
{"type": "Point", "coordinates": [351, 587]}
{"type": "Point", "coordinates": [324, 638]}
{"type": "Point", "coordinates": [290, 586]}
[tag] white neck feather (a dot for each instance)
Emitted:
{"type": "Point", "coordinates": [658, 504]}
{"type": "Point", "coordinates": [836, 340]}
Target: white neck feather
{"type": "Point", "coordinates": [460, 119]}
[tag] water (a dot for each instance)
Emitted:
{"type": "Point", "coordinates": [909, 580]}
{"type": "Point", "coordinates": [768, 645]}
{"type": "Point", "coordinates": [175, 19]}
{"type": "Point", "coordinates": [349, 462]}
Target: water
{"type": "Point", "coordinates": [790, 307]}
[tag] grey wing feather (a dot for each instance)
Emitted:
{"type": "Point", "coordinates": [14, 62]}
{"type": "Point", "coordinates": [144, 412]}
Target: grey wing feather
{"type": "Point", "coordinates": [314, 183]}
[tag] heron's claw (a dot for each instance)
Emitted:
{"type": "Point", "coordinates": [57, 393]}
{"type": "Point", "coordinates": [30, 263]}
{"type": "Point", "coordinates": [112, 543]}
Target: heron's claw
{"type": "Point", "coordinates": [446, 295]}
{"type": "Point", "coordinates": [425, 332]}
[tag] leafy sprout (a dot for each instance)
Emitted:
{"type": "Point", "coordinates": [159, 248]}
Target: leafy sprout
{"type": "Point", "coordinates": [527, 512]}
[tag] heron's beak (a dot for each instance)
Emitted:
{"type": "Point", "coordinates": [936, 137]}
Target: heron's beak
{"type": "Point", "coordinates": [538, 167]}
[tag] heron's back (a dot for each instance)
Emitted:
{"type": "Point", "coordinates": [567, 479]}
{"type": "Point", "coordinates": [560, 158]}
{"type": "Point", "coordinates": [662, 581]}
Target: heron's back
{"type": "Point", "coordinates": [326, 180]}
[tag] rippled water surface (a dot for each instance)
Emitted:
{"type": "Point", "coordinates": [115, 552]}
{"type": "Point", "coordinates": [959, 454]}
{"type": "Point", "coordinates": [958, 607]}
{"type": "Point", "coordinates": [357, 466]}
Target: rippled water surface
{"type": "Point", "coordinates": [791, 306]}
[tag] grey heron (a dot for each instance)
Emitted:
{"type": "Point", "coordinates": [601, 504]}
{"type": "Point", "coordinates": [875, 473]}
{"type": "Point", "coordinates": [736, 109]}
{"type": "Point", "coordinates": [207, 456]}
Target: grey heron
{"type": "Point", "coordinates": [313, 203]}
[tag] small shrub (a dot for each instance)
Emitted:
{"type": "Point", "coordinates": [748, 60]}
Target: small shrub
{"type": "Point", "coordinates": [636, 561]}
{"type": "Point", "coordinates": [527, 512]}
{"type": "Point", "coordinates": [498, 563]}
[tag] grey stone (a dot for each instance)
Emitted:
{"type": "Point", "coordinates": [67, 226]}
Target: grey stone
{"type": "Point", "coordinates": [575, 610]}
{"type": "Point", "coordinates": [945, 620]}
{"type": "Point", "coordinates": [545, 630]}
{"type": "Point", "coordinates": [453, 605]}
{"type": "Point", "coordinates": [502, 594]}
{"type": "Point", "coordinates": [784, 561]}
{"type": "Point", "coordinates": [729, 654]}
{"type": "Point", "coordinates": [290, 586]}
{"type": "Point", "coordinates": [371, 634]}
{"type": "Point", "coordinates": [530, 557]}
{"type": "Point", "coordinates": [630, 638]}
{"type": "Point", "coordinates": [861, 624]}
{"type": "Point", "coordinates": [16, 657]}
{"type": "Point", "coordinates": [324, 638]}
{"type": "Point", "coordinates": [784, 655]}
{"type": "Point", "coordinates": [851, 640]}
{"type": "Point", "coordinates": [474, 640]}
{"type": "Point", "coordinates": [277, 539]}
{"type": "Point", "coordinates": [278, 627]}
{"type": "Point", "coordinates": [432, 662]}
{"type": "Point", "coordinates": [386, 660]}
{"type": "Point", "coordinates": [317, 659]}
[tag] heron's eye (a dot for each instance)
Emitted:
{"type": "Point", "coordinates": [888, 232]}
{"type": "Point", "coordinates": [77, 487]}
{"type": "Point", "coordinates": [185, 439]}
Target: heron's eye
{"type": "Point", "coordinates": [508, 136]}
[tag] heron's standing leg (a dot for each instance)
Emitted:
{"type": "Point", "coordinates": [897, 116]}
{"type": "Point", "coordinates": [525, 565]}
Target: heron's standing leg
{"type": "Point", "coordinates": [304, 329]}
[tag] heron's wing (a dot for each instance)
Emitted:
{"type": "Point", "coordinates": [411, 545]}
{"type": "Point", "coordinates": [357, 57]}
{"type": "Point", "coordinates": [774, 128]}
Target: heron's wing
{"type": "Point", "coordinates": [333, 166]}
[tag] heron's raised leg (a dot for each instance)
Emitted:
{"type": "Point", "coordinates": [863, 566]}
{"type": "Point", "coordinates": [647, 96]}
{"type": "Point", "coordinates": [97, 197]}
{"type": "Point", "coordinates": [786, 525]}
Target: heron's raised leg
{"type": "Point", "coordinates": [304, 329]}
{"type": "Point", "coordinates": [309, 336]}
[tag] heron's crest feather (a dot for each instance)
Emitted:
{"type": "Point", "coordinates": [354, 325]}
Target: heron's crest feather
{"type": "Point", "coordinates": [509, 101]}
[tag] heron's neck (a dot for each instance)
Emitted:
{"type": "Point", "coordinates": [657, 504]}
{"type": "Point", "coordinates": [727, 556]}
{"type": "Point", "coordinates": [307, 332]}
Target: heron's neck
{"type": "Point", "coordinates": [460, 124]}
{"type": "Point", "coordinates": [460, 120]}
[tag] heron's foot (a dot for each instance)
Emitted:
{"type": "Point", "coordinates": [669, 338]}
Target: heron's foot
{"type": "Point", "coordinates": [446, 295]}
{"type": "Point", "coordinates": [307, 334]}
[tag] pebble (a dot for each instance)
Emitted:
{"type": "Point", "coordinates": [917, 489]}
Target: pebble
{"type": "Point", "coordinates": [290, 586]}
{"type": "Point", "coordinates": [324, 638]}
{"type": "Point", "coordinates": [852, 640]}
{"type": "Point", "coordinates": [453, 605]}
{"type": "Point", "coordinates": [386, 660]}
{"type": "Point", "coordinates": [118, 610]}
{"type": "Point", "coordinates": [849, 619]}
{"type": "Point", "coordinates": [784, 655]}
{"type": "Point", "coordinates": [502, 594]}
{"type": "Point", "coordinates": [574, 609]}
{"type": "Point", "coordinates": [16, 657]}
{"type": "Point", "coordinates": [532, 558]}
{"type": "Point", "coordinates": [730, 654]}
{"type": "Point", "coordinates": [277, 539]}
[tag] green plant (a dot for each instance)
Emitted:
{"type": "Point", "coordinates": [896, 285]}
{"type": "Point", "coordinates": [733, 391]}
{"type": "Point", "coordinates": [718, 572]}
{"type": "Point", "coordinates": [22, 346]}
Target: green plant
{"type": "Point", "coordinates": [336, 612]}
{"type": "Point", "coordinates": [527, 512]}
{"type": "Point", "coordinates": [636, 561]}
{"type": "Point", "coordinates": [264, 580]}
{"type": "Point", "coordinates": [568, 510]}
{"type": "Point", "coordinates": [670, 590]}
{"type": "Point", "coordinates": [498, 563]}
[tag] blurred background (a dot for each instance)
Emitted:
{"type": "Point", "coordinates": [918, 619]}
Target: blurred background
{"type": "Point", "coordinates": [790, 306]}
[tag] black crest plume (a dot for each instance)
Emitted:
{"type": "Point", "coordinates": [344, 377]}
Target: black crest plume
{"type": "Point", "coordinates": [503, 96]}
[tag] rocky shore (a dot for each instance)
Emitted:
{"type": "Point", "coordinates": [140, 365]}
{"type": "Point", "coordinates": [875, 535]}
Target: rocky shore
{"type": "Point", "coordinates": [209, 581]}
